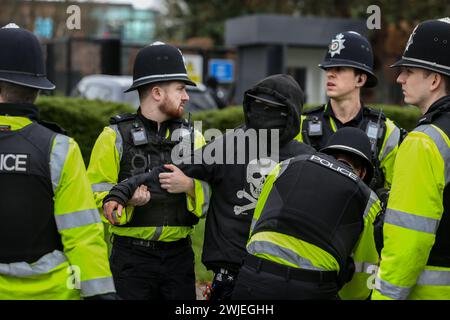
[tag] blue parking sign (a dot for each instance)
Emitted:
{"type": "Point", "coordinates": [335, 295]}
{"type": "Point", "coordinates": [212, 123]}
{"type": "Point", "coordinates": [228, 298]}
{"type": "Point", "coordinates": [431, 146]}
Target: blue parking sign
{"type": "Point", "coordinates": [222, 69]}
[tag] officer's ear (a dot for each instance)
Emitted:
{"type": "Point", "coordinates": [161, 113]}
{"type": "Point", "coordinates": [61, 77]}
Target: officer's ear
{"type": "Point", "coordinates": [361, 79]}
{"type": "Point", "coordinates": [438, 81]}
{"type": "Point", "coordinates": [157, 92]}
{"type": "Point", "coordinates": [363, 173]}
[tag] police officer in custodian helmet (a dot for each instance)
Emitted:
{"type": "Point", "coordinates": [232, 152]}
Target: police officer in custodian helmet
{"type": "Point", "coordinates": [49, 219]}
{"type": "Point", "coordinates": [151, 257]}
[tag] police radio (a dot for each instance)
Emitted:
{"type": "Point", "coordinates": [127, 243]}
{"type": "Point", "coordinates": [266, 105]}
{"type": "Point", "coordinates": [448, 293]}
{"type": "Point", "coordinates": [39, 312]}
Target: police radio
{"type": "Point", "coordinates": [315, 127]}
{"type": "Point", "coordinates": [374, 132]}
{"type": "Point", "coordinates": [138, 135]}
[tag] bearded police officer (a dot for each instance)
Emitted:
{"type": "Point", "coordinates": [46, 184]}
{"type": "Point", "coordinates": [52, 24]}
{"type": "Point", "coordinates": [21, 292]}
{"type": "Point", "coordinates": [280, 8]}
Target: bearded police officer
{"type": "Point", "coordinates": [152, 257]}
{"type": "Point", "coordinates": [302, 247]}
{"type": "Point", "coordinates": [272, 109]}
{"type": "Point", "coordinates": [51, 237]}
{"type": "Point", "coordinates": [349, 67]}
{"type": "Point", "coordinates": [415, 261]}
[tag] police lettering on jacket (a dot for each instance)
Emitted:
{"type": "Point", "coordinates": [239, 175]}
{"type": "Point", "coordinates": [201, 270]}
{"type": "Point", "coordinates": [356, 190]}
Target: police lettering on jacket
{"type": "Point", "coordinates": [333, 166]}
{"type": "Point", "coordinates": [13, 162]}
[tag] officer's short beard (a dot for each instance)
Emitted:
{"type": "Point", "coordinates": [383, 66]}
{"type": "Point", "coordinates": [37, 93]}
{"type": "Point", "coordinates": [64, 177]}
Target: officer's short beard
{"type": "Point", "coordinates": [170, 111]}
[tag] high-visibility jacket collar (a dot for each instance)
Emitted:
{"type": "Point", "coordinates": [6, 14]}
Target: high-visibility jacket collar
{"type": "Point", "coordinates": [27, 110]}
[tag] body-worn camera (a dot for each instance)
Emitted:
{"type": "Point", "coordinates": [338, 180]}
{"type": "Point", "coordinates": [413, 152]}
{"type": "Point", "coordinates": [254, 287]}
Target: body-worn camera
{"type": "Point", "coordinates": [315, 127]}
{"type": "Point", "coordinates": [138, 135]}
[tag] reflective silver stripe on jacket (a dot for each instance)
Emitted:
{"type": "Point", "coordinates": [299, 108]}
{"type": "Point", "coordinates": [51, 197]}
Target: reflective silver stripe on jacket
{"type": "Point", "coordinates": [373, 198]}
{"type": "Point", "coordinates": [265, 247]}
{"type": "Point", "coordinates": [426, 278]}
{"type": "Point", "coordinates": [206, 196]}
{"type": "Point", "coordinates": [77, 219]}
{"type": "Point", "coordinates": [411, 221]}
{"type": "Point", "coordinates": [102, 187]}
{"type": "Point", "coordinates": [119, 140]}
{"type": "Point", "coordinates": [391, 143]}
{"type": "Point", "coordinates": [97, 286]}
{"type": "Point", "coordinates": [44, 265]}
{"type": "Point", "coordinates": [58, 158]}
{"type": "Point", "coordinates": [441, 144]}
{"type": "Point", "coordinates": [395, 292]}
{"type": "Point", "coordinates": [434, 278]}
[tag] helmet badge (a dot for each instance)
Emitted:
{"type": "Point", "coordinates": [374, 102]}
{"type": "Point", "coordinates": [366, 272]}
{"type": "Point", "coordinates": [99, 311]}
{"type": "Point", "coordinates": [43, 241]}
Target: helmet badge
{"type": "Point", "coordinates": [337, 45]}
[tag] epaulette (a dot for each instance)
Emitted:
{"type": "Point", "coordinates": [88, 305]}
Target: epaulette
{"type": "Point", "coordinates": [374, 113]}
{"type": "Point", "coordinates": [122, 118]}
{"type": "Point", "coordinates": [314, 110]}
{"type": "Point", "coordinates": [53, 126]}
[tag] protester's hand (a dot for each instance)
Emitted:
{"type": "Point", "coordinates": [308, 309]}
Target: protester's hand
{"type": "Point", "coordinates": [108, 211]}
{"type": "Point", "coordinates": [140, 197]}
{"type": "Point", "coordinates": [175, 181]}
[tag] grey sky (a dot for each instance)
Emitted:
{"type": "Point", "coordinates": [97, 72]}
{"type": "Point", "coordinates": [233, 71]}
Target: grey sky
{"type": "Point", "coordinates": [140, 4]}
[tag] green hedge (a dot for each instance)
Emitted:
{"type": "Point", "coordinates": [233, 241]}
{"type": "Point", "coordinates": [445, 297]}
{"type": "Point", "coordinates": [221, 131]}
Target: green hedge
{"type": "Point", "coordinates": [85, 119]}
{"type": "Point", "coordinates": [82, 119]}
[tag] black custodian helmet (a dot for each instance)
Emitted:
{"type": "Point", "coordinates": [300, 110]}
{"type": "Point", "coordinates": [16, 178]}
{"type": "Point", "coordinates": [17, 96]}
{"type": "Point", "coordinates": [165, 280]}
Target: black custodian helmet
{"type": "Point", "coordinates": [350, 49]}
{"type": "Point", "coordinates": [428, 47]}
{"type": "Point", "coordinates": [159, 62]}
{"type": "Point", "coordinates": [353, 141]}
{"type": "Point", "coordinates": [21, 59]}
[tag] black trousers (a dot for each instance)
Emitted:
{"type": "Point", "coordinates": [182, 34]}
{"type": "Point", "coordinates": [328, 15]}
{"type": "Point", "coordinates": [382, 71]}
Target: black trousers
{"type": "Point", "coordinates": [253, 284]}
{"type": "Point", "coordinates": [149, 273]}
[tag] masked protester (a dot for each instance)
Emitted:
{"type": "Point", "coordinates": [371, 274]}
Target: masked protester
{"type": "Point", "coordinates": [51, 237]}
{"type": "Point", "coordinates": [272, 111]}
{"type": "Point", "coordinates": [415, 261]}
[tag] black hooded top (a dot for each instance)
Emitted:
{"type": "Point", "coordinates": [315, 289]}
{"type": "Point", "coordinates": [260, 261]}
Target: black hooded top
{"type": "Point", "coordinates": [285, 90]}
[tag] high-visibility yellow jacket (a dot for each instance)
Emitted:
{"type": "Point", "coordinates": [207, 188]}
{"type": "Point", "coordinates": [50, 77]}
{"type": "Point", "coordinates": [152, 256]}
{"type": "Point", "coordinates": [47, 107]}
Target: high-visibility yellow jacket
{"type": "Point", "coordinates": [103, 172]}
{"type": "Point", "coordinates": [81, 269]}
{"type": "Point", "coordinates": [415, 262]}
{"type": "Point", "coordinates": [294, 252]}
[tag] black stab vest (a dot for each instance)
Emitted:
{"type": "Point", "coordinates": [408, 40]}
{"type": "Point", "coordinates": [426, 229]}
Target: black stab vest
{"type": "Point", "coordinates": [164, 209]}
{"type": "Point", "coordinates": [28, 228]}
{"type": "Point", "coordinates": [322, 207]}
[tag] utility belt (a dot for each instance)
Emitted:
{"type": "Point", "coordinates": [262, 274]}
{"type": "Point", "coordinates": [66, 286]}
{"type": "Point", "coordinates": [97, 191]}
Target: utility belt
{"type": "Point", "coordinates": [153, 245]}
{"type": "Point", "coordinates": [290, 273]}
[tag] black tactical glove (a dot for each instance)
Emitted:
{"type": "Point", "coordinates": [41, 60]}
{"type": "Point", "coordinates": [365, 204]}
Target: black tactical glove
{"type": "Point", "coordinates": [123, 191]}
